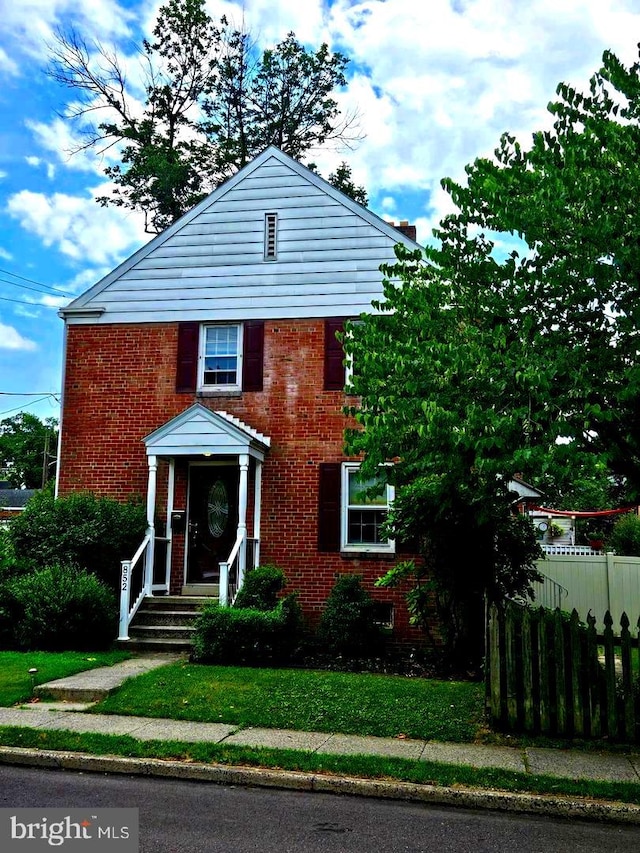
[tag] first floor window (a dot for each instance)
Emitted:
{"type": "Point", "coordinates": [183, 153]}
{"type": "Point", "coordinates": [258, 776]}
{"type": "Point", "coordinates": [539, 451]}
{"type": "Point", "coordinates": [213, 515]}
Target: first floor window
{"type": "Point", "coordinates": [221, 357]}
{"type": "Point", "coordinates": [364, 509]}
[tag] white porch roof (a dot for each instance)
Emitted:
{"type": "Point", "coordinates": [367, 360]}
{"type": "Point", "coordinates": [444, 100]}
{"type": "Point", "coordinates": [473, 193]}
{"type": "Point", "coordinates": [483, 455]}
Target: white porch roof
{"type": "Point", "coordinates": [198, 431]}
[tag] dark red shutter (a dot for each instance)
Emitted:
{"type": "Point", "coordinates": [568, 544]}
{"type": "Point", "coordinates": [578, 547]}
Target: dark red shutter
{"type": "Point", "coordinates": [329, 507]}
{"type": "Point", "coordinates": [187, 367]}
{"type": "Point", "coordinates": [252, 355]}
{"type": "Point", "coordinates": [333, 356]}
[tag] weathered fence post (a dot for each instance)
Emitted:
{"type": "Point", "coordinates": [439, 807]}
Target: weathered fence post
{"type": "Point", "coordinates": [527, 670]}
{"type": "Point", "coordinates": [495, 689]}
{"type": "Point", "coordinates": [545, 669]}
{"type": "Point", "coordinates": [628, 720]}
{"type": "Point", "coordinates": [610, 676]}
{"type": "Point", "coordinates": [513, 665]}
{"type": "Point", "coordinates": [575, 663]}
{"type": "Point", "coordinates": [594, 678]}
{"type": "Point", "coordinates": [559, 659]}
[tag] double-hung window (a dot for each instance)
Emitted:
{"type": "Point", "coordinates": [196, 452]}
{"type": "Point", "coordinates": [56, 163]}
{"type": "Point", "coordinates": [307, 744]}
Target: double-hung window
{"type": "Point", "coordinates": [220, 361]}
{"type": "Point", "coordinates": [364, 509]}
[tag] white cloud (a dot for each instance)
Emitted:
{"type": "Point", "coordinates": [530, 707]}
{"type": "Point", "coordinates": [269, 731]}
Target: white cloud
{"type": "Point", "coordinates": [7, 64]}
{"type": "Point", "coordinates": [11, 339]}
{"type": "Point", "coordinates": [59, 138]}
{"type": "Point", "coordinates": [77, 226]}
{"type": "Point", "coordinates": [3, 174]}
{"type": "Point", "coordinates": [5, 255]}
{"type": "Point", "coordinates": [29, 25]}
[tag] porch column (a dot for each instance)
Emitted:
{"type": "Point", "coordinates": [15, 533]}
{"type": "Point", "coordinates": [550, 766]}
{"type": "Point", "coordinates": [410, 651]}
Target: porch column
{"type": "Point", "coordinates": [243, 491]}
{"type": "Point", "coordinates": [168, 532]}
{"type": "Point", "coordinates": [257, 509]}
{"type": "Point", "coordinates": [151, 533]}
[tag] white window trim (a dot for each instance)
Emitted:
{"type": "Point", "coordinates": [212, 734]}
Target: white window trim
{"type": "Point", "coordinates": [236, 386]}
{"type": "Point", "coordinates": [388, 547]}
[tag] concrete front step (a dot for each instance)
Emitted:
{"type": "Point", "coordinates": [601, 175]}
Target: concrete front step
{"type": "Point", "coordinates": [157, 617]}
{"type": "Point", "coordinates": [156, 644]}
{"type": "Point", "coordinates": [164, 623]}
{"type": "Point", "coordinates": [174, 602]}
{"type": "Point", "coordinates": [164, 632]}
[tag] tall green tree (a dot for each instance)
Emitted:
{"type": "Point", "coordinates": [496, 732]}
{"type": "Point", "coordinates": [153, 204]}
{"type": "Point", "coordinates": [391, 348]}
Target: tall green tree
{"type": "Point", "coordinates": [492, 363]}
{"type": "Point", "coordinates": [211, 102]}
{"type": "Point", "coordinates": [28, 449]}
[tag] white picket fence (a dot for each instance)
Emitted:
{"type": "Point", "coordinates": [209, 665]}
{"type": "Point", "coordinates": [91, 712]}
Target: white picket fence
{"type": "Point", "coordinates": [596, 583]}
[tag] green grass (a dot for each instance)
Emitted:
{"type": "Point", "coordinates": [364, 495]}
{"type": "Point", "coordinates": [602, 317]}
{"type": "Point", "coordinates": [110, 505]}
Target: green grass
{"type": "Point", "coordinates": [362, 704]}
{"type": "Point", "coordinates": [419, 772]}
{"type": "Point", "coordinates": [15, 681]}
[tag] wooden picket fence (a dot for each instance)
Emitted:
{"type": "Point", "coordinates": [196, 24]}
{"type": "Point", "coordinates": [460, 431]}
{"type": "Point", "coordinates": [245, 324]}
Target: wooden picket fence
{"type": "Point", "coordinates": [546, 674]}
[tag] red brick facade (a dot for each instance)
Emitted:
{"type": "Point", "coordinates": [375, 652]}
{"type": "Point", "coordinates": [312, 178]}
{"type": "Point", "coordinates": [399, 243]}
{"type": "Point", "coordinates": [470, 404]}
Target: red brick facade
{"type": "Point", "coordinates": [120, 386]}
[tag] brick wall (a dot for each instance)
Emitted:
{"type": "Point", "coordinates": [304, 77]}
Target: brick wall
{"type": "Point", "coordinates": [120, 386]}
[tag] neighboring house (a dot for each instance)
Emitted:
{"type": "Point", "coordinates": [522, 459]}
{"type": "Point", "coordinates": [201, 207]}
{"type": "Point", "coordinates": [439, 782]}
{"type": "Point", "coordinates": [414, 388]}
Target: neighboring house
{"type": "Point", "coordinates": [552, 530]}
{"type": "Point", "coordinates": [205, 373]}
{"type": "Point", "coordinates": [12, 502]}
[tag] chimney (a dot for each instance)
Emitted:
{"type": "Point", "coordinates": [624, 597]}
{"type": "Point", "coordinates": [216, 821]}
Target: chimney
{"type": "Point", "coordinates": [408, 230]}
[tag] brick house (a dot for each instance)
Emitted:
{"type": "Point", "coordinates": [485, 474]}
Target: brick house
{"type": "Point", "coordinates": [205, 374]}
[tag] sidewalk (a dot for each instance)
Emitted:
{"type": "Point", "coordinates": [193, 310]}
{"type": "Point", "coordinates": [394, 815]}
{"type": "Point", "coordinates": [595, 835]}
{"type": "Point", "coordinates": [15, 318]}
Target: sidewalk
{"type": "Point", "coordinates": [73, 694]}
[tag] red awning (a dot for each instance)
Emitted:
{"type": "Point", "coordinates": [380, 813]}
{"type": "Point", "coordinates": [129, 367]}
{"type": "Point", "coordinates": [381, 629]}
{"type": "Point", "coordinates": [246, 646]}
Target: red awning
{"type": "Point", "coordinates": [565, 513]}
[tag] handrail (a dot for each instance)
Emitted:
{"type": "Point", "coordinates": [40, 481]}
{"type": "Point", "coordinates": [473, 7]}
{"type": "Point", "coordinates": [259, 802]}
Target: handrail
{"type": "Point", "coordinates": [552, 592]}
{"type": "Point", "coordinates": [141, 550]}
{"type": "Point", "coordinates": [223, 594]}
{"type": "Point", "coordinates": [127, 609]}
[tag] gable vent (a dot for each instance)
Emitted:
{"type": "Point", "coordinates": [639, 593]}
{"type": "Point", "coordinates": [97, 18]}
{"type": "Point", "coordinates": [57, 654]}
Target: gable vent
{"type": "Point", "coordinates": [270, 236]}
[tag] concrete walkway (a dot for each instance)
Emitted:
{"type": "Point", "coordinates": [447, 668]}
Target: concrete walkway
{"type": "Point", "coordinates": [71, 696]}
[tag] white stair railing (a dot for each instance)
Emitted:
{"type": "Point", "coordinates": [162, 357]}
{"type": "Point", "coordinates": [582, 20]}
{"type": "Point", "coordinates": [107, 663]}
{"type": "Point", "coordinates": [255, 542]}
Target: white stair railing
{"type": "Point", "coordinates": [232, 573]}
{"type": "Point", "coordinates": [134, 583]}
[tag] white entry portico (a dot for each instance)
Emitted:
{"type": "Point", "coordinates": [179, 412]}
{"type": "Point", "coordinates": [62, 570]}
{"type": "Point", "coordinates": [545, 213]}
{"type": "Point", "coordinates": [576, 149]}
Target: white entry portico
{"type": "Point", "coordinates": [199, 436]}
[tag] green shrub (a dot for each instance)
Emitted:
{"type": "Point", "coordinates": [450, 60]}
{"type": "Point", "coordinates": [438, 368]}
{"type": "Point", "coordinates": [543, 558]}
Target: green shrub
{"type": "Point", "coordinates": [79, 529]}
{"type": "Point", "coordinates": [260, 589]}
{"type": "Point", "coordinates": [347, 625]}
{"type": "Point", "coordinates": [57, 608]}
{"type": "Point", "coordinates": [230, 635]}
{"type": "Point", "coordinates": [625, 536]}
{"type": "Point", "coordinates": [8, 565]}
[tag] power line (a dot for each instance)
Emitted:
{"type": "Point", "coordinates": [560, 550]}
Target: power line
{"type": "Point", "coordinates": [32, 304]}
{"type": "Point", "coordinates": [54, 394]}
{"type": "Point", "coordinates": [35, 289]}
{"type": "Point", "coordinates": [20, 408]}
{"type": "Point", "coordinates": [30, 280]}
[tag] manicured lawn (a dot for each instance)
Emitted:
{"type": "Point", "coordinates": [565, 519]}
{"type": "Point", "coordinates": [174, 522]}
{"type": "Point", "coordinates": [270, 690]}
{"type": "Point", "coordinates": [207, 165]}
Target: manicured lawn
{"type": "Point", "coordinates": [306, 700]}
{"type": "Point", "coordinates": [15, 681]}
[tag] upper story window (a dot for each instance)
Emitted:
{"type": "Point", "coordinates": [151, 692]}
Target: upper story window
{"type": "Point", "coordinates": [220, 361]}
{"type": "Point", "coordinates": [270, 236]}
{"type": "Point", "coordinates": [364, 509]}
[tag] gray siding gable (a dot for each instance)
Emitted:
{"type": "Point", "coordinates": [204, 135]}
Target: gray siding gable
{"type": "Point", "coordinates": [210, 263]}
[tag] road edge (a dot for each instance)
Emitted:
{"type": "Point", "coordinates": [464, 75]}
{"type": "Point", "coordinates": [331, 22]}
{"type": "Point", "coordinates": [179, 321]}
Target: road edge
{"type": "Point", "coordinates": [470, 798]}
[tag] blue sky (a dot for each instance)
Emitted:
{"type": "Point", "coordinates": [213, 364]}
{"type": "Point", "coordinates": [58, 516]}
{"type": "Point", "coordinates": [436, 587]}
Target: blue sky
{"type": "Point", "coordinates": [435, 83]}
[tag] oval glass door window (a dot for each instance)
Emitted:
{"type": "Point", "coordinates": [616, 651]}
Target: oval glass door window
{"type": "Point", "coordinates": [218, 508]}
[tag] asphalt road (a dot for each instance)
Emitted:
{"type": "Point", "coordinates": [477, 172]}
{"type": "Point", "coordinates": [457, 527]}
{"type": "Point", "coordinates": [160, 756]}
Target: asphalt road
{"type": "Point", "coordinates": [178, 816]}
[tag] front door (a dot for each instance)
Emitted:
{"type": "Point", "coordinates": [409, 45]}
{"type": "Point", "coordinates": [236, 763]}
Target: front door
{"type": "Point", "coordinates": [213, 520]}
